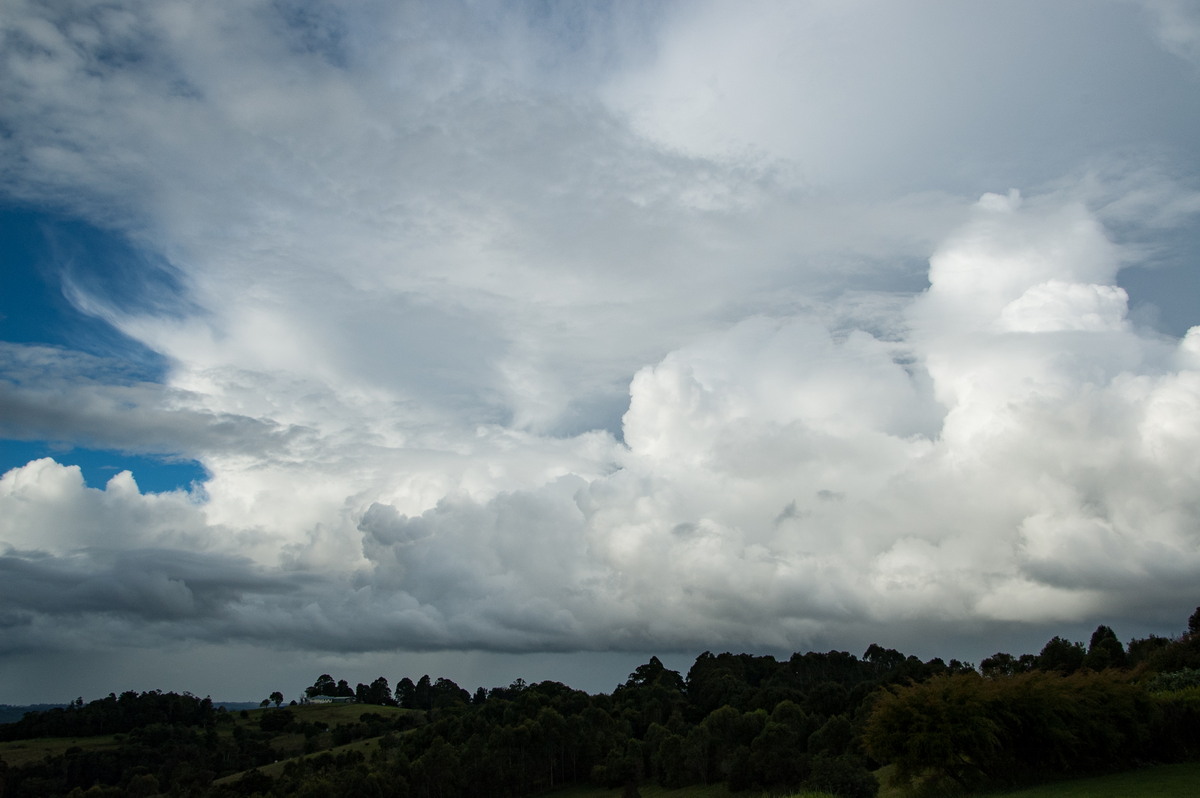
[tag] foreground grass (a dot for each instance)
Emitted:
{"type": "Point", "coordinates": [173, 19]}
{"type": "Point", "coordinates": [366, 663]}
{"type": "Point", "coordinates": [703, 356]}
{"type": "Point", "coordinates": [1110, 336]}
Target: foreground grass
{"type": "Point", "coordinates": [275, 769]}
{"type": "Point", "coordinates": [1160, 781]}
{"type": "Point", "coordinates": [20, 753]}
{"type": "Point", "coordinates": [289, 747]}
{"type": "Point", "coordinates": [694, 791]}
{"type": "Point", "coordinates": [647, 791]}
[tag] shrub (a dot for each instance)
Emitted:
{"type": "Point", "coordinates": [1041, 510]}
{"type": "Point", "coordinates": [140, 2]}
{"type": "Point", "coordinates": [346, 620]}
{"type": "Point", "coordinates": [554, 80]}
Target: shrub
{"type": "Point", "coordinates": [844, 776]}
{"type": "Point", "coordinates": [974, 730]}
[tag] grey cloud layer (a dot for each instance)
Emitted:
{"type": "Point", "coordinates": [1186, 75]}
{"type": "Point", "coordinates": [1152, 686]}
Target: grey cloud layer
{"type": "Point", "coordinates": [498, 335]}
{"type": "Point", "coordinates": [59, 395]}
{"type": "Point", "coordinates": [1022, 454]}
{"type": "Point", "coordinates": [403, 211]}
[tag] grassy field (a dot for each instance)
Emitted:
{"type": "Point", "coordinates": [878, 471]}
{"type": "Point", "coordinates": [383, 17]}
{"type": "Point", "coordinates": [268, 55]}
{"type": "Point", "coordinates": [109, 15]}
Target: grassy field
{"type": "Point", "coordinates": [346, 713]}
{"type": "Point", "coordinates": [290, 747]}
{"type": "Point", "coordinates": [275, 769]}
{"type": "Point", "coordinates": [652, 791]}
{"type": "Point", "coordinates": [25, 752]}
{"type": "Point", "coordinates": [1161, 781]}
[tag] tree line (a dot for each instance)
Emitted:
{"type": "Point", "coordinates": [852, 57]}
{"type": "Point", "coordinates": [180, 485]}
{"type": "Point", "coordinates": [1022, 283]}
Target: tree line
{"type": "Point", "coordinates": [1069, 710]}
{"type": "Point", "coordinates": [423, 694]}
{"type": "Point", "coordinates": [816, 720]}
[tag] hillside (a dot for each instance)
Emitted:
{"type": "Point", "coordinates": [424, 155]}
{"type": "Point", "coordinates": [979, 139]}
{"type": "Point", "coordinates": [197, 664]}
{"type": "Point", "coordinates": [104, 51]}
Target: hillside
{"type": "Point", "coordinates": [11, 714]}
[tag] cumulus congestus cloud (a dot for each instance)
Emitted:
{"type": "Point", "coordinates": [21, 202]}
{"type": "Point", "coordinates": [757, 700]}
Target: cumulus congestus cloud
{"type": "Point", "coordinates": [608, 328]}
{"type": "Point", "coordinates": [778, 478]}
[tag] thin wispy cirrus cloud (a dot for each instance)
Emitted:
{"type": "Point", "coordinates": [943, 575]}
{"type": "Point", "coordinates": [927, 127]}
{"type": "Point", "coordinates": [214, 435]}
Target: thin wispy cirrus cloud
{"type": "Point", "coordinates": [528, 339]}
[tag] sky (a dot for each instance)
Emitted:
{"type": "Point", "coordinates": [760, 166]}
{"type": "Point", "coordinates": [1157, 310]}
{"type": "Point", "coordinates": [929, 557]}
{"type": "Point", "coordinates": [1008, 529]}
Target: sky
{"type": "Point", "coordinates": [529, 339]}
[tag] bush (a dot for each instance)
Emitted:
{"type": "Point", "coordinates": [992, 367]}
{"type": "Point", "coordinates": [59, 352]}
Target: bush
{"type": "Point", "coordinates": [844, 776]}
{"type": "Point", "coordinates": [1177, 725]}
{"type": "Point", "coordinates": [1018, 728]}
{"type": "Point", "coordinates": [275, 720]}
{"type": "Point", "coordinates": [1176, 680]}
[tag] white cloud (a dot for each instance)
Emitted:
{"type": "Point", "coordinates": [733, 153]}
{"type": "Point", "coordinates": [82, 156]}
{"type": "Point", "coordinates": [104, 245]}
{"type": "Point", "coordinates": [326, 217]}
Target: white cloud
{"type": "Point", "coordinates": [1057, 305]}
{"type": "Point", "coordinates": [778, 480]}
{"type": "Point", "coordinates": [874, 94]}
{"type": "Point", "coordinates": [49, 509]}
{"type": "Point", "coordinates": [494, 334]}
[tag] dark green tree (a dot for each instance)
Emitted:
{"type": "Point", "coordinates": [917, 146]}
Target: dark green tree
{"type": "Point", "coordinates": [882, 659]}
{"type": "Point", "coordinates": [652, 694]}
{"type": "Point", "coordinates": [1028, 726]}
{"type": "Point", "coordinates": [1105, 650]}
{"type": "Point", "coordinates": [655, 673]}
{"type": "Point", "coordinates": [1143, 649]}
{"type": "Point", "coordinates": [999, 664]}
{"type": "Point", "coordinates": [423, 693]}
{"type": "Point", "coordinates": [844, 776]}
{"type": "Point", "coordinates": [833, 738]}
{"type": "Point", "coordinates": [406, 693]}
{"type": "Point", "coordinates": [324, 685]}
{"type": "Point", "coordinates": [274, 720]}
{"type": "Point", "coordinates": [777, 755]}
{"type": "Point", "coordinates": [1002, 664]}
{"type": "Point", "coordinates": [1061, 655]}
{"type": "Point", "coordinates": [941, 725]}
{"type": "Point", "coordinates": [445, 693]}
{"type": "Point", "coordinates": [378, 692]}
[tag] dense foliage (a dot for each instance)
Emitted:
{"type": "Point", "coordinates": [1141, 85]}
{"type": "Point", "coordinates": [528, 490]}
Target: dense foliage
{"type": "Point", "coordinates": [113, 715]}
{"type": "Point", "coordinates": [976, 731]}
{"type": "Point", "coordinates": [820, 721]}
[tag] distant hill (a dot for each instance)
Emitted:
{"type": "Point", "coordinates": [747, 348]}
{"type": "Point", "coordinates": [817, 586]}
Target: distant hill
{"type": "Point", "coordinates": [234, 706]}
{"type": "Point", "coordinates": [10, 713]}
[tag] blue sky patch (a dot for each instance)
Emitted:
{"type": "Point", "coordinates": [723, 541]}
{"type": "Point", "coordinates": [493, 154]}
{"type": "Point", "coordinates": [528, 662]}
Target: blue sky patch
{"type": "Point", "coordinates": [40, 249]}
{"type": "Point", "coordinates": [152, 475]}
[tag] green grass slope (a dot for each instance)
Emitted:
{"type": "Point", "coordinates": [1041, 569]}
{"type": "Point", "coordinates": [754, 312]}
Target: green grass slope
{"type": "Point", "coordinates": [695, 791]}
{"type": "Point", "coordinates": [1160, 781]}
{"type": "Point", "coordinates": [290, 746]}
{"type": "Point", "coordinates": [19, 753]}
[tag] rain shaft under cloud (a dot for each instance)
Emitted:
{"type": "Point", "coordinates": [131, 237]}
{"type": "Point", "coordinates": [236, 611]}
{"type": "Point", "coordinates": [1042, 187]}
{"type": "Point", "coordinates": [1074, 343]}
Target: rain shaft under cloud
{"type": "Point", "coordinates": [598, 329]}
